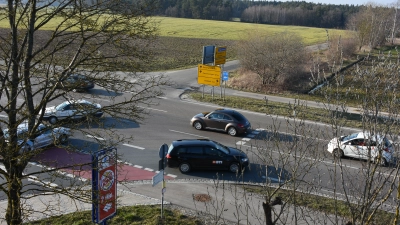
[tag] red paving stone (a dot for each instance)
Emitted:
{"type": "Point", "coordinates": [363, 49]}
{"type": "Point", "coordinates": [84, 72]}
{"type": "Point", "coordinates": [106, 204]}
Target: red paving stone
{"type": "Point", "coordinates": [80, 165]}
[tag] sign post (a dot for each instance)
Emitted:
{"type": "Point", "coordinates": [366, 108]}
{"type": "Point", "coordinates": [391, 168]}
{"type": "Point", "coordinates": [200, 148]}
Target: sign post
{"type": "Point", "coordinates": [225, 76]}
{"type": "Point", "coordinates": [104, 185]}
{"type": "Point", "coordinates": [160, 176]}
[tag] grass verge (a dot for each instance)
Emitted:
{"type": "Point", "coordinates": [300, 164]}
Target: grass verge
{"type": "Point", "coordinates": [302, 112]}
{"type": "Point", "coordinates": [322, 204]}
{"type": "Point", "coordinates": [132, 215]}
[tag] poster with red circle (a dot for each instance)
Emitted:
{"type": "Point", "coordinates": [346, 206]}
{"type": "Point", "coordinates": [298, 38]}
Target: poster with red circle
{"type": "Point", "coordinates": [104, 186]}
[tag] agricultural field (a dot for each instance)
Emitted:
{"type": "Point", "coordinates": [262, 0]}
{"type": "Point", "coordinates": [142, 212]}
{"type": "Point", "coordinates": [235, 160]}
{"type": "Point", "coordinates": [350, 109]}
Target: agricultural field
{"type": "Point", "coordinates": [180, 43]}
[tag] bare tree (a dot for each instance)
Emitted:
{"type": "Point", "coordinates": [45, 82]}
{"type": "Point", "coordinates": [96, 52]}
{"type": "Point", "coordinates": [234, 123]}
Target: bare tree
{"type": "Point", "coordinates": [373, 25]}
{"type": "Point", "coordinates": [273, 57]}
{"type": "Point", "coordinates": [294, 152]}
{"type": "Point", "coordinates": [92, 38]}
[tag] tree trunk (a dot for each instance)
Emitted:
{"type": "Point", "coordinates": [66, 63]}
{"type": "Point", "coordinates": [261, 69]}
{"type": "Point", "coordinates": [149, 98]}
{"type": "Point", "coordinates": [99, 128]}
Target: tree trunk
{"type": "Point", "coordinates": [268, 209]}
{"type": "Point", "coordinates": [14, 212]}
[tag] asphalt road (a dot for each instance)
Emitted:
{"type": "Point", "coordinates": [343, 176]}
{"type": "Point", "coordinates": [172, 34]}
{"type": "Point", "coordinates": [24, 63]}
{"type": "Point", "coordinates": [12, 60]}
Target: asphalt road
{"type": "Point", "coordinates": [169, 121]}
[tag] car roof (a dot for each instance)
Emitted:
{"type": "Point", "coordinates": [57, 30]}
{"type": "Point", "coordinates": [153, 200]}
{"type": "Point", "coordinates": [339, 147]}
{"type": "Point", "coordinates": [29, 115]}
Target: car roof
{"type": "Point", "coordinates": [227, 111]}
{"type": "Point", "coordinates": [367, 135]}
{"type": "Point", "coordinates": [192, 142]}
{"type": "Point", "coordinates": [78, 101]}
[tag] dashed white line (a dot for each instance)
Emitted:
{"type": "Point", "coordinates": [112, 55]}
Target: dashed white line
{"type": "Point", "coordinates": [98, 138]}
{"type": "Point", "coordinates": [137, 166]}
{"type": "Point", "coordinates": [246, 139]}
{"type": "Point", "coordinates": [148, 169]}
{"type": "Point", "coordinates": [240, 143]}
{"type": "Point", "coordinates": [188, 134]}
{"type": "Point", "coordinates": [171, 175]}
{"type": "Point", "coordinates": [133, 146]}
{"type": "Point", "coordinates": [153, 109]}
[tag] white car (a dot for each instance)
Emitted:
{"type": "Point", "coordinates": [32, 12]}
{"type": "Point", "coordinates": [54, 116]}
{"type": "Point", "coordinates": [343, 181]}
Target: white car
{"type": "Point", "coordinates": [45, 136]}
{"type": "Point", "coordinates": [358, 145]}
{"type": "Point", "coordinates": [72, 109]}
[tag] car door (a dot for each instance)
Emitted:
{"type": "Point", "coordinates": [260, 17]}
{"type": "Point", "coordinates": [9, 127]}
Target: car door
{"type": "Point", "coordinates": [215, 121]}
{"type": "Point", "coordinates": [79, 110]}
{"type": "Point", "coordinates": [66, 112]}
{"type": "Point", "coordinates": [349, 149]}
{"type": "Point", "coordinates": [43, 137]}
{"type": "Point", "coordinates": [195, 156]}
{"type": "Point", "coordinates": [356, 148]}
{"type": "Point", "coordinates": [213, 158]}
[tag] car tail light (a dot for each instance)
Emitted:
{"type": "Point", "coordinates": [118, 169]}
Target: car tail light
{"type": "Point", "coordinates": [240, 125]}
{"type": "Point", "coordinates": [386, 149]}
{"type": "Point", "coordinates": [168, 156]}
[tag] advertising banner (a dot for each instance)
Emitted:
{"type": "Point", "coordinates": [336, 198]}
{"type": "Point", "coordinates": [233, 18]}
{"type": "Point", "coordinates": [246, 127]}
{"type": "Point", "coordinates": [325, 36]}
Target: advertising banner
{"type": "Point", "coordinates": [104, 184]}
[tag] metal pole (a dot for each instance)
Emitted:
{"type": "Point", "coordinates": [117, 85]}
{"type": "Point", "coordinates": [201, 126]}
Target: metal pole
{"type": "Point", "coordinates": [220, 78]}
{"type": "Point", "coordinates": [224, 90]}
{"type": "Point", "coordinates": [162, 191]}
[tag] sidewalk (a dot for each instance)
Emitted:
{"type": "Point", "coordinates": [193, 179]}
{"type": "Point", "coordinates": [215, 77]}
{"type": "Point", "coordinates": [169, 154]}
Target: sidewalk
{"type": "Point", "coordinates": [236, 206]}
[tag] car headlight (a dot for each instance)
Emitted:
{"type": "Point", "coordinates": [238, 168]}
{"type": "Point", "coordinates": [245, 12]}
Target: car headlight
{"type": "Point", "coordinates": [244, 159]}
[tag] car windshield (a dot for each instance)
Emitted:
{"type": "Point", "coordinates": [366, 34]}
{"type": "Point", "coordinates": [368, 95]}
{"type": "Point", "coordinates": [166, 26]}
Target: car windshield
{"type": "Point", "coordinates": [349, 137]}
{"type": "Point", "coordinates": [62, 105]}
{"type": "Point", "coordinates": [221, 147]}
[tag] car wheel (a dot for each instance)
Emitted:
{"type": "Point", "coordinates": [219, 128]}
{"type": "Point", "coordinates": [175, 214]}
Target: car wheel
{"type": "Point", "coordinates": [53, 120]}
{"type": "Point", "coordinates": [63, 139]}
{"type": "Point", "coordinates": [184, 167]}
{"type": "Point", "coordinates": [338, 153]}
{"type": "Point", "coordinates": [232, 131]}
{"type": "Point", "coordinates": [234, 167]}
{"type": "Point", "coordinates": [380, 160]}
{"type": "Point", "coordinates": [198, 125]}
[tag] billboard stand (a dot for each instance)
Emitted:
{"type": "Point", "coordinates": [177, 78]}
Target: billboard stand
{"type": "Point", "coordinates": [104, 185]}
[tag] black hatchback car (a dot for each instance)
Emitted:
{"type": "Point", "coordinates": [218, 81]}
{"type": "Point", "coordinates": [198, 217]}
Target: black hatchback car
{"type": "Point", "coordinates": [191, 154]}
{"type": "Point", "coordinates": [74, 82]}
{"type": "Point", "coordinates": [226, 120]}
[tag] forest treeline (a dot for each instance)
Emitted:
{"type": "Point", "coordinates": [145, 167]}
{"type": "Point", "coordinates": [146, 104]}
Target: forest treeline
{"type": "Point", "coordinates": [298, 13]}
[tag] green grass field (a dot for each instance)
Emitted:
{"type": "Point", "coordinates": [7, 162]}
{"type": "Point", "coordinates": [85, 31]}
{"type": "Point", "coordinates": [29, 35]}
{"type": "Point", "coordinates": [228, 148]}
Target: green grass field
{"type": "Point", "coordinates": [229, 30]}
{"type": "Point", "coordinates": [220, 30]}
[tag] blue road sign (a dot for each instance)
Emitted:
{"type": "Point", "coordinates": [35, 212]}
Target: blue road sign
{"type": "Point", "coordinates": [208, 54]}
{"type": "Point", "coordinates": [225, 75]}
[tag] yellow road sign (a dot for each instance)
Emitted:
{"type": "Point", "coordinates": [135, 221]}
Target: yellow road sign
{"type": "Point", "coordinates": [220, 55]}
{"type": "Point", "coordinates": [209, 75]}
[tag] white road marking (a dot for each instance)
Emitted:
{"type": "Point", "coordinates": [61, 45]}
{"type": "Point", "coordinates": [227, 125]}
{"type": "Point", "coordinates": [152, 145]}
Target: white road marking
{"type": "Point", "coordinates": [137, 166]}
{"type": "Point", "coordinates": [246, 139]}
{"type": "Point", "coordinates": [133, 146]}
{"type": "Point", "coordinates": [240, 143]}
{"type": "Point", "coordinates": [148, 169]}
{"type": "Point", "coordinates": [152, 109]}
{"type": "Point", "coordinates": [171, 175]}
{"type": "Point", "coordinates": [98, 138]}
{"type": "Point", "coordinates": [188, 134]}
{"type": "Point", "coordinates": [161, 97]}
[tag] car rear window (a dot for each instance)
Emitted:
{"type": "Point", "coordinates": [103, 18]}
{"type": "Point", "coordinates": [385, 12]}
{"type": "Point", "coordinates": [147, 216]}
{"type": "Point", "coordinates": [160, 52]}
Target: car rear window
{"type": "Point", "coordinates": [238, 116]}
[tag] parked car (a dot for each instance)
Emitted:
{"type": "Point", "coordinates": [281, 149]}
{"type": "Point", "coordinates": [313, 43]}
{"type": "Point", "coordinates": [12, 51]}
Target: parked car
{"type": "Point", "coordinates": [191, 154]}
{"type": "Point", "coordinates": [226, 120]}
{"type": "Point", "coordinates": [358, 145]}
{"type": "Point", "coordinates": [74, 82]}
{"type": "Point", "coordinates": [72, 109]}
{"type": "Point", "coordinates": [45, 136]}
